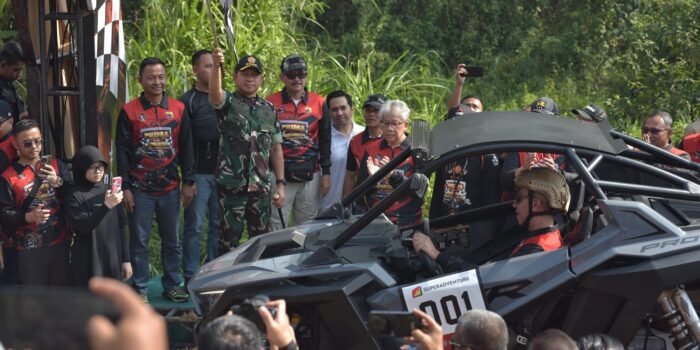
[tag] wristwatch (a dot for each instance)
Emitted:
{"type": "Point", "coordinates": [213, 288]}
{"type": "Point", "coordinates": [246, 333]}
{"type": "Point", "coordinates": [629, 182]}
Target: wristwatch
{"type": "Point", "coordinates": [290, 346]}
{"type": "Point", "coordinates": [59, 182]}
{"type": "Point", "coordinates": [281, 181]}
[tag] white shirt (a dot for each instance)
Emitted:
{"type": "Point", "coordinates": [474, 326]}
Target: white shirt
{"type": "Point", "coordinates": [339, 155]}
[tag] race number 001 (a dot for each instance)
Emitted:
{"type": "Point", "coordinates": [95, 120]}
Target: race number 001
{"type": "Point", "coordinates": [446, 298]}
{"type": "Point", "coordinates": [430, 307]}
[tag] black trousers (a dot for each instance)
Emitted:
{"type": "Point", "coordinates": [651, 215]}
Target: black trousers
{"type": "Point", "coordinates": [45, 266]}
{"type": "Point", "coordinates": [10, 274]}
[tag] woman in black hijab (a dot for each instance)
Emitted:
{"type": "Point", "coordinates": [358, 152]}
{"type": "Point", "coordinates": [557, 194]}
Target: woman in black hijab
{"type": "Point", "coordinates": [97, 220]}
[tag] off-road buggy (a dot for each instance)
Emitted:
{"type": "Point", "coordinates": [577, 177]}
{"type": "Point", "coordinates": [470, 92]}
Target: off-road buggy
{"type": "Point", "coordinates": [632, 231]}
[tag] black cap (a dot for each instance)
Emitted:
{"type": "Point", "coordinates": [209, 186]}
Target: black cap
{"type": "Point", "coordinates": [544, 105]}
{"type": "Point", "coordinates": [247, 62]}
{"type": "Point", "coordinates": [293, 63]}
{"type": "Point", "coordinates": [5, 111]}
{"type": "Point", "coordinates": [376, 101]}
{"type": "Point", "coordinates": [591, 113]}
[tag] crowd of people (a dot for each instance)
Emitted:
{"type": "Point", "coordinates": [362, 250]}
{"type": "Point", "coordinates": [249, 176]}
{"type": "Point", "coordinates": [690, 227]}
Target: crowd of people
{"type": "Point", "coordinates": [245, 163]}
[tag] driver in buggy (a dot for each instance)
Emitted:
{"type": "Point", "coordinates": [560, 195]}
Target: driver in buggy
{"type": "Point", "coordinates": [540, 194]}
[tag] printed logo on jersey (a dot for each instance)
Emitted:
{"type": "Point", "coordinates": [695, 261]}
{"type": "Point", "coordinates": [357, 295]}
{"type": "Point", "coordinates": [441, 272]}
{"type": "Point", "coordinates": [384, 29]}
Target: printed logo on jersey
{"type": "Point", "coordinates": [295, 131]}
{"type": "Point", "coordinates": [156, 143]}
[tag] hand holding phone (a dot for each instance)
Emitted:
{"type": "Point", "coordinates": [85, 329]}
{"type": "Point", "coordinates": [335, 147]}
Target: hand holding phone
{"type": "Point", "coordinates": [116, 184]}
{"type": "Point", "coordinates": [32, 317]}
{"type": "Point", "coordinates": [392, 323]}
{"type": "Point", "coordinates": [472, 72]}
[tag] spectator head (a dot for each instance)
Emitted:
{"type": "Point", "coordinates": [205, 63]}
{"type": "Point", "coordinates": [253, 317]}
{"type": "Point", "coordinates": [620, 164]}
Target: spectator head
{"type": "Point", "coordinates": [590, 113]}
{"type": "Point", "coordinates": [6, 118]}
{"type": "Point", "coordinates": [230, 333]}
{"type": "Point", "coordinates": [544, 105]}
{"type": "Point", "coordinates": [340, 107]}
{"type": "Point", "coordinates": [11, 61]}
{"type": "Point", "coordinates": [480, 330]}
{"type": "Point", "coordinates": [540, 191]}
{"type": "Point", "coordinates": [294, 74]}
{"type": "Point", "coordinates": [89, 166]}
{"type": "Point", "coordinates": [202, 64]}
{"type": "Point", "coordinates": [473, 103]}
{"type": "Point", "coordinates": [248, 75]}
{"type": "Point", "coordinates": [658, 127]}
{"type": "Point", "coordinates": [27, 140]}
{"type": "Point", "coordinates": [552, 339]}
{"type": "Point", "coordinates": [371, 109]}
{"type": "Point", "coordinates": [152, 76]}
{"type": "Point", "coordinates": [394, 116]}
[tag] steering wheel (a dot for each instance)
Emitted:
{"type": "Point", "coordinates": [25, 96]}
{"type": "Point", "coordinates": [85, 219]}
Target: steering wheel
{"type": "Point", "coordinates": [428, 266]}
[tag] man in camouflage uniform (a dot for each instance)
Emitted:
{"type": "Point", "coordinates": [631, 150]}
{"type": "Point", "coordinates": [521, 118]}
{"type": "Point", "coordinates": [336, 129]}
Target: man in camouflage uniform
{"type": "Point", "coordinates": [250, 143]}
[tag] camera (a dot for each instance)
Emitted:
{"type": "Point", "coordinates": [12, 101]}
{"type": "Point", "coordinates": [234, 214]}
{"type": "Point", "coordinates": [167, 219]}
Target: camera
{"type": "Point", "coordinates": [248, 309]}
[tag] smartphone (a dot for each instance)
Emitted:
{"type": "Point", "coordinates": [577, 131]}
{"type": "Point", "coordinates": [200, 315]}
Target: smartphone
{"type": "Point", "coordinates": [33, 317]}
{"type": "Point", "coordinates": [46, 159]}
{"type": "Point", "coordinates": [392, 323]}
{"type": "Point", "coordinates": [474, 72]}
{"type": "Point", "coordinates": [116, 184]}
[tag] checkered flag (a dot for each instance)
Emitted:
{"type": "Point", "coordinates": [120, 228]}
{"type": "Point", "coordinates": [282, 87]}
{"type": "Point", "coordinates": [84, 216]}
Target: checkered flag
{"type": "Point", "coordinates": [110, 52]}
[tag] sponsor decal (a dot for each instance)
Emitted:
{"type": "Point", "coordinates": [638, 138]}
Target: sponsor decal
{"type": "Point", "coordinates": [670, 243]}
{"type": "Point", "coordinates": [416, 292]}
{"type": "Point", "coordinates": [169, 115]}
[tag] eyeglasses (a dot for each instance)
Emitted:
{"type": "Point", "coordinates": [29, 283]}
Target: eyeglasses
{"type": "Point", "coordinates": [300, 75]}
{"type": "Point", "coordinates": [30, 143]}
{"type": "Point", "coordinates": [394, 125]}
{"type": "Point", "coordinates": [96, 168]}
{"type": "Point", "coordinates": [654, 131]}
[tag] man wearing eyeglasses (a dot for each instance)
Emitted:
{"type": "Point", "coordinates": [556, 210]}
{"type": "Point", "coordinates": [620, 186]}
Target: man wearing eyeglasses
{"type": "Point", "coordinates": [658, 129]}
{"type": "Point", "coordinates": [30, 209]}
{"type": "Point", "coordinates": [306, 134]}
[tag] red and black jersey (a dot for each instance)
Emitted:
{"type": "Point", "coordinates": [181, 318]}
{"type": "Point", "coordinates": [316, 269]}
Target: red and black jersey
{"type": "Point", "coordinates": [8, 154]}
{"type": "Point", "coordinates": [405, 211]}
{"type": "Point", "coordinates": [306, 129]}
{"type": "Point", "coordinates": [356, 149]}
{"type": "Point", "coordinates": [152, 141]}
{"type": "Point", "coordinates": [691, 144]}
{"type": "Point", "coordinates": [16, 184]}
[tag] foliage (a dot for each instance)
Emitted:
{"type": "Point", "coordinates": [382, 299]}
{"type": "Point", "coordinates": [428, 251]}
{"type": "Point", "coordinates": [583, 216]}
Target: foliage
{"type": "Point", "coordinates": [173, 31]}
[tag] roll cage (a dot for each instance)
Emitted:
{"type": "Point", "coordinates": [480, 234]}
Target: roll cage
{"type": "Point", "coordinates": [586, 146]}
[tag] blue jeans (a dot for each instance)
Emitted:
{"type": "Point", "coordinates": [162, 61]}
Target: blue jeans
{"type": "Point", "coordinates": [167, 210]}
{"type": "Point", "coordinates": [205, 201]}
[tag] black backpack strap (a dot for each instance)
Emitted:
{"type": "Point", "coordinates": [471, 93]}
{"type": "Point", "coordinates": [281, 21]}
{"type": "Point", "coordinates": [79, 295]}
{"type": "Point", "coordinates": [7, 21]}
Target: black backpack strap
{"type": "Point", "coordinates": [32, 194]}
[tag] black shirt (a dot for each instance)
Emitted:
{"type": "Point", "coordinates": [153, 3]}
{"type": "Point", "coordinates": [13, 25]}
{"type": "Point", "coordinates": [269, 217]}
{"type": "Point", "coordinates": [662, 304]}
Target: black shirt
{"type": "Point", "coordinates": [205, 130]}
{"type": "Point", "coordinates": [8, 93]}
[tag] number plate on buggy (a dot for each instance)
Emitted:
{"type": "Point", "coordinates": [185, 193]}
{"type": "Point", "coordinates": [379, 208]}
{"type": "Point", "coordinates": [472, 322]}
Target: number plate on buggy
{"type": "Point", "coordinates": [446, 298]}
